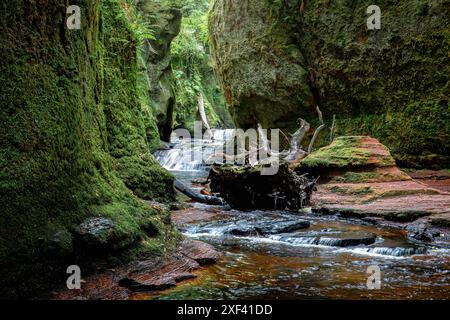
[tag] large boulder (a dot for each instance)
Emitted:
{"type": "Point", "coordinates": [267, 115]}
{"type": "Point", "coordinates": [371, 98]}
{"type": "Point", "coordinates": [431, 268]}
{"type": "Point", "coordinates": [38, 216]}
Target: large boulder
{"type": "Point", "coordinates": [353, 159]}
{"type": "Point", "coordinates": [277, 59]}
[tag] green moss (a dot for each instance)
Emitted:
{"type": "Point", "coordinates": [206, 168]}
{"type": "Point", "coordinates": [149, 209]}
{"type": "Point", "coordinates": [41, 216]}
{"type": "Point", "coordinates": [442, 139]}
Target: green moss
{"type": "Point", "coordinates": [417, 136]}
{"type": "Point", "coordinates": [356, 191]}
{"type": "Point", "coordinates": [344, 152]}
{"type": "Point", "coordinates": [260, 68]}
{"type": "Point", "coordinates": [194, 75]}
{"type": "Point", "coordinates": [70, 116]}
{"type": "Point", "coordinates": [400, 193]}
{"type": "Point", "coordinates": [128, 134]}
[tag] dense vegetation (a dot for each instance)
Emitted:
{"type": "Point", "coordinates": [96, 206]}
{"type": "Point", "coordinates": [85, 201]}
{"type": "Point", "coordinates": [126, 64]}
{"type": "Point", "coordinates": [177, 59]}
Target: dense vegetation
{"type": "Point", "coordinates": [193, 72]}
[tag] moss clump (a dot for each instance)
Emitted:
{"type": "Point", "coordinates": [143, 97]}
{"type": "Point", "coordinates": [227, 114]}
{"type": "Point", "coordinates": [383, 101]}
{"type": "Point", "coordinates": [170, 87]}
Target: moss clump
{"type": "Point", "coordinates": [344, 152]}
{"type": "Point", "coordinates": [347, 152]}
{"type": "Point", "coordinates": [356, 191]}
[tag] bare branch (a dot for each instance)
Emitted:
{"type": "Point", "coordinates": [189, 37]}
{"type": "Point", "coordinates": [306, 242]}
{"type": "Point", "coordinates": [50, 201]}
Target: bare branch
{"type": "Point", "coordinates": [201, 110]}
{"type": "Point", "coordinates": [332, 129]}
{"type": "Point", "coordinates": [316, 133]}
{"type": "Point", "coordinates": [298, 136]}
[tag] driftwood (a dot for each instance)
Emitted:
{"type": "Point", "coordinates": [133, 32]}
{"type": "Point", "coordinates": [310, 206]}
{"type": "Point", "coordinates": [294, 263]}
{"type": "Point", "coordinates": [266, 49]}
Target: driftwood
{"type": "Point", "coordinates": [294, 153]}
{"type": "Point", "coordinates": [191, 193]}
{"type": "Point", "coordinates": [296, 149]}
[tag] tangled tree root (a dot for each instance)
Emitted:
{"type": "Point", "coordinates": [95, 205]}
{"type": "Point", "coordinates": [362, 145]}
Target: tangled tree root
{"type": "Point", "coordinates": [243, 187]}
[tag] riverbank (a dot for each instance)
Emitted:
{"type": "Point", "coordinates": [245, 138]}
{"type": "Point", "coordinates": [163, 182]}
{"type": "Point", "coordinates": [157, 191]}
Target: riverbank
{"type": "Point", "coordinates": [144, 275]}
{"type": "Point", "coordinates": [420, 205]}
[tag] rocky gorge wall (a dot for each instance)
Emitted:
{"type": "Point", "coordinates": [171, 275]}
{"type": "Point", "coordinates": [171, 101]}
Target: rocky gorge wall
{"type": "Point", "coordinates": [277, 60]}
{"type": "Point", "coordinates": [157, 61]}
{"type": "Point", "coordinates": [76, 130]}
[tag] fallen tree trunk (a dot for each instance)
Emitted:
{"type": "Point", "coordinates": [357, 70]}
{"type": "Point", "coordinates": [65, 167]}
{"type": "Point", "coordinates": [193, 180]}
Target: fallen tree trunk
{"type": "Point", "coordinates": [243, 187]}
{"type": "Point", "coordinates": [191, 193]}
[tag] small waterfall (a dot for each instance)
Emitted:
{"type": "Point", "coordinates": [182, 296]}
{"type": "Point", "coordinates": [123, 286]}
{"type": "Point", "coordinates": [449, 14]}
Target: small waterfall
{"type": "Point", "coordinates": [396, 252]}
{"type": "Point", "coordinates": [191, 155]}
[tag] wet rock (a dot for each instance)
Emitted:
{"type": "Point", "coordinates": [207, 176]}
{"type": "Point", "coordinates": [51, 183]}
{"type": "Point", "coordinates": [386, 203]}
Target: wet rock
{"type": "Point", "coordinates": [419, 233]}
{"type": "Point", "coordinates": [404, 215]}
{"type": "Point", "coordinates": [163, 273]}
{"type": "Point", "coordinates": [200, 252]}
{"type": "Point", "coordinates": [96, 227]}
{"type": "Point", "coordinates": [284, 226]}
{"type": "Point", "coordinates": [262, 228]}
{"type": "Point", "coordinates": [441, 222]}
{"type": "Point", "coordinates": [96, 231]}
{"type": "Point", "coordinates": [345, 239]}
{"type": "Point", "coordinates": [245, 231]}
{"type": "Point", "coordinates": [137, 286]}
{"type": "Point", "coordinates": [348, 240]}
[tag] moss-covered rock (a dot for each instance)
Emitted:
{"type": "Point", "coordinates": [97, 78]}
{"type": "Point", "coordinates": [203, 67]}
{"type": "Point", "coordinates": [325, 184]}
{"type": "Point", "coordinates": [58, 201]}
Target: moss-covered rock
{"type": "Point", "coordinates": [353, 159]}
{"type": "Point", "coordinates": [350, 151]}
{"type": "Point", "coordinates": [70, 116]}
{"type": "Point", "coordinates": [277, 59]}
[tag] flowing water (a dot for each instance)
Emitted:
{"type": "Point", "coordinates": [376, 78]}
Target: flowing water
{"type": "Point", "coordinates": [280, 255]}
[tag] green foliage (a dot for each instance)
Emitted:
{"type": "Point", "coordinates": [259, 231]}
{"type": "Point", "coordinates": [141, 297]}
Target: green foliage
{"type": "Point", "coordinates": [128, 133]}
{"type": "Point", "coordinates": [193, 72]}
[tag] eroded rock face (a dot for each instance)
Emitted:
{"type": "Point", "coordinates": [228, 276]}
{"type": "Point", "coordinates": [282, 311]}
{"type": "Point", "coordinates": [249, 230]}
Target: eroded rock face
{"type": "Point", "coordinates": [260, 67]}
{"type": "Point", "coordinates": [276, 60]}
{"type": "Point", "coordinates": [157, 61]}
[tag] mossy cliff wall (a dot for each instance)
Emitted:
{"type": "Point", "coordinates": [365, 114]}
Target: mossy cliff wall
{"type": "Point", "coordinates": [278, 59]}
{"type": "Point", "coordinates": [74, 139]}
{"type": "Point", "coordinates": [157, 61]}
